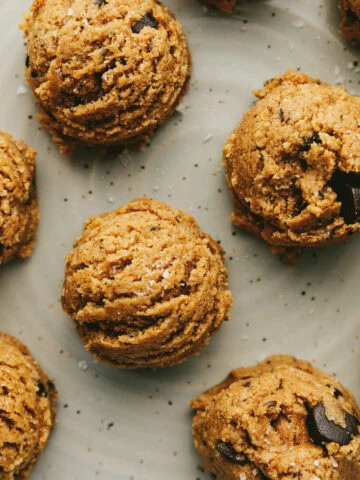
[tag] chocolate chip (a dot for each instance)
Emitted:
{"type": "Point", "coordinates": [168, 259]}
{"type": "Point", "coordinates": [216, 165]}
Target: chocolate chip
{"type": "Point", "coordinates": [321, 429]}
{"type": "Point", "coordinates": [41, 392]}
{"type": "Point", "coordinates": [337, 393]}
{"type": "Point", "coordinates": [27, 61]}
{"type": "Point", "coordinates": [305, 147]}
{"type": "Point", "coordinates": [148, 20]}
{"type": "Point", "coordinates": [226, 449]}
{"type": "Point", "coordinates": [100, 3]}
{"type": "Point", "coordinates": [281, 115]}
{"type": "Point", "coordinates": [34, 74]}
{"type": "Point", "coordinates": [5, 390]}
{"type": "Point", "coordinates": [270, 404]}
{"type": "Point", "coordinates": [351, 17]}
{"type": "Point", "coordinates": [347, 188]}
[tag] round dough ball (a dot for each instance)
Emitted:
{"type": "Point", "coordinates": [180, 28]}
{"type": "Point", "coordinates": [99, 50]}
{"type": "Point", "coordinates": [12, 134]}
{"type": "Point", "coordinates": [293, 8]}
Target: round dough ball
{"type": "Point", "coordinates": [293, 165]}
{"type": "Point", "coordinates": [280, 420]}
{"type": "Point", "coordinates": [104, 72]}
{"type": "Point", "coordinates": [18, 200]}
{"type": "Point", "coordinates": [350, 25]}
{"type": "Point", "coordinates": [145, 286]}
{"type": "Point", "coordinates": [223, 5]}
{"type": "Point", "coordinates": [27, 409]}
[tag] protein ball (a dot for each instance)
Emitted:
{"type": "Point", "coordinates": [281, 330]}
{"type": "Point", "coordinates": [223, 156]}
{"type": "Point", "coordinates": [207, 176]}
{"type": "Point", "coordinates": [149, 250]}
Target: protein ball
{"type": "Point", "coordinates": [350, 25]}
{"type": "Point", "coordinates": [223, 5]}
{"type": "Point", "coordinates": [104, 73]}
{"type": "Point", "coordinates": [145, 286]}
{"type": "Point", "coordinates": [280, 420]}
{"type": "Point", "coordinates": [18, 200]}
{"type": "Point", "coordinates": [293, 165]}
{"type": "Point", "coordinates": [27, 409]}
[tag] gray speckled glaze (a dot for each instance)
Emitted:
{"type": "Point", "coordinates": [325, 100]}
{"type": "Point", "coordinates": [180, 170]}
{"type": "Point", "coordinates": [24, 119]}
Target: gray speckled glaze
{"type": "Point", "coordinates": [136, 425]}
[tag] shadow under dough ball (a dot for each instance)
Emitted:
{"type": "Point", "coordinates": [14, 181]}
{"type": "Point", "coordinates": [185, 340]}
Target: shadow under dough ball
{"type": "Point", "coordinates": [293, 165]}
{"type": "Point", "coordinates": [350, 25]}
{"type": "Point", "coordinates": [18, 199]}
{"type": "Point", "coordinates": [280, 420]}
{"type": "Point", "coordinates": [145, 286]}
{"type": "Point", "coordinates": [104, 73]}
{"type": "Point", "coordinates": [27, 409]}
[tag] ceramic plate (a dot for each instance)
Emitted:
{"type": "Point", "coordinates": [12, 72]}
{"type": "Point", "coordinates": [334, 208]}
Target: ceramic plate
{"type": "Point", "coordinates": [115, 424]}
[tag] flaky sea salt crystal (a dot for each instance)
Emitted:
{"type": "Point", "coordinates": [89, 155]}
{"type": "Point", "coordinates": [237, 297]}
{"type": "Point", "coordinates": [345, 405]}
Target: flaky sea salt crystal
{"type": "Point", "coordinates": [165, 274]}
{"type": "Point", "coordinates": [83, 365]}
{"type": "Point", "coordinates": [334, 463]}
{"type": "Point", "coordinates": [208, 137]}
{"type": "Point", "coordinates": [243, 476]}
{"type": "Point", "coordinates": [21, 90]}
{"type": "Point", "coordinates": [316, 463]}
{"type": "Point", "coordinates": [70, 12]}
{"type": "Point", "coordinates": [298, 23]}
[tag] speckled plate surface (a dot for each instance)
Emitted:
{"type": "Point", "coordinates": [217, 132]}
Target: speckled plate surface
{"type": "Point", "coordinates": [137, 425]}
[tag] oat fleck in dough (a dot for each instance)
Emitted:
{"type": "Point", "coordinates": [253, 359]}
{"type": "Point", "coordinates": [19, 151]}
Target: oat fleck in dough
{"type": "Point", "coordinates": [293, 165]}
{"type": "Point", "coordinates": [18, 200]}
{"type": "Point", "coordinates": [280, 420]}
{"type": "Point", "coordinates": [27, 409]}
{"type": "Point", "coordinates": [145, 286]}
{"type": "Point", "coordinates": [104, 73]}
{"type": "Point", "coordinates": [350, 25]}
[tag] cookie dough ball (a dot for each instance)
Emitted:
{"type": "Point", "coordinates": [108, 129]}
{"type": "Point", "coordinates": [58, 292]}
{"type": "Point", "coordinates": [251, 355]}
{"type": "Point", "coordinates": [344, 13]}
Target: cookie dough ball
{"type": "Point", "coordinates": [350, 25]}
{"type": "Point", "coordinates": [18, 201]}
{"type": "Point", "coordinates": [223, 5]}
{"type": "Point", "coordinates": [293, 165]}
{"type": "Point", "coordinates": [280, 420]}
{"type": "Point", "coordinates": [27, 409]}
{"type": "Point", "coordinates": [104, 73]}
{"type": "Point", "coordinates": [145, 286]}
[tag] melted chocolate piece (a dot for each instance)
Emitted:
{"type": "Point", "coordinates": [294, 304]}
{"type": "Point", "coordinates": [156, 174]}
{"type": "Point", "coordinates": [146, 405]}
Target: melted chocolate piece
{"type": "Point", "coordinates": [351, 17]}
{"type": "Point", "coordinates": [226, 449]}
{"type": "Point", "coordinates": [41, 390]}
{"type": "Point", "coordinates": [100, 3]}
{"type": "Point", "coordinates": [347, 188]}
{"type": "Point", "coordinates": [321, 429]}
{"type": "Point", "coordinates": [305, 147]}
{"type": "Point", "coordinates": [148, 20]}
{"type": "Point", "coordinates": [27, 61]}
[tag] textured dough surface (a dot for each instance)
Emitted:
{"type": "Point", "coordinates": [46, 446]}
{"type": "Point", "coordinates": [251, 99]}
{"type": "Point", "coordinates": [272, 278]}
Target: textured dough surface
{"type": "Point", "coordinates": [261, 415]}
{"type": "Point", "coordinates": [104, 73]}
{"type": "Point", "coordinates": [18, 200]}
{"type": "Point", "coordinates": [350, 25]}
{"type": "Point", "coordinates": [145, 286]}
{"type": "Point", "coordinates": [282, 157]}
{"type": "Point", "coordinates": [27, 409]}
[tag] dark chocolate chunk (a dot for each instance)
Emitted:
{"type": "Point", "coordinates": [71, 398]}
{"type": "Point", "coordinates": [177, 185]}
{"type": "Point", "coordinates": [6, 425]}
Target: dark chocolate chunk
{"type": "Point", "coordinates": [34, 74]}
{"type": "Point", "coordinates": [100, 3]}
{"type": "Point", "coordinates": [148, 20]}
{"type": "Point", "coordinates": [281, 115]}
{"type": "Point", "coordinates": [270, 404]}
{"type": "Point", "coordinates": [321, 429]}
{"type": "Point", "coordinates": [27, 61]}
{"type": "Point", "coordinates": [351, 17]}
{"type": "Point", "coordinates": [226, 449]}
{"type": "Point", "coordinates": [347, 188]}
{"type": "Point", "coordinates": [305, 147]}
{"type": "Point", "coordinates": [41, 390]}
{"type": "Point", "coordinates": [338, 393]}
